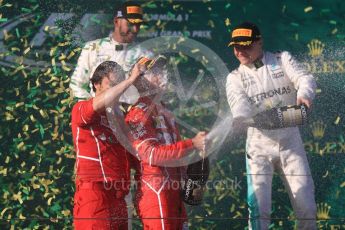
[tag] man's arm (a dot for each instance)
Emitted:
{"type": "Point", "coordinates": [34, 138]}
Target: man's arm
{"type": "Point", "coordinates": [148, 147]}
{"type": "Point", "coordinates": [112, 95]}
{"type": "Point", "coordinates": [238, 100]}
{"type": "Point", "coordinates": [303, 81]}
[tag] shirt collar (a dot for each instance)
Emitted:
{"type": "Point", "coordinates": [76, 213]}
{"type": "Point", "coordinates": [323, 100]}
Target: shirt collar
{"type": "Point", "coordinates": [116, 43]}
{"type": "Point", "coordinates": [252, 66]}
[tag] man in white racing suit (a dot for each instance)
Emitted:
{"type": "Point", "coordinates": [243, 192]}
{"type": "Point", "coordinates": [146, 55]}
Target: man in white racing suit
{"type": "Point", "coordinates": [262, 81]}
{"type": "Point", "coordinates": [117, 47]}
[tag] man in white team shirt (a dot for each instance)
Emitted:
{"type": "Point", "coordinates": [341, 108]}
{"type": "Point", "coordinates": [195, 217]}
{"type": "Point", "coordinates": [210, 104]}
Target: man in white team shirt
{"type": "Point", "coordinates": [118, 47]}
{"type": "Point", "coordinates": [262, 81]}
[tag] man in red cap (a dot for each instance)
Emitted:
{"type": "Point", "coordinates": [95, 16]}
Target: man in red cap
{"type": "Point", "coordinates": [266, 80]}
{"type": "Point", "coordinates": [102, 164]}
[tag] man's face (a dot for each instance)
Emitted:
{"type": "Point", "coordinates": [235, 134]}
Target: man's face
{"type": "Point", "coordinates": [125, 30]}
{"type": "Point", "coordinates": [159, 79]}
{"type": "Point", "coordinates": [153, 82]}
{"type": "Point", "coordinates": [106, 83]}
{"type": "Point", "coordinates": [248, 54]}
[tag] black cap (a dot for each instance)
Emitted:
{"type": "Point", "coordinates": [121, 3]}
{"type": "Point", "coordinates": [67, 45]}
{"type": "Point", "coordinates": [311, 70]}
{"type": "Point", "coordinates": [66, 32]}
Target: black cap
{"type": "Point", "coordinates": [130, 11]}
{"type": "Point", "coordinates": [245, 34]}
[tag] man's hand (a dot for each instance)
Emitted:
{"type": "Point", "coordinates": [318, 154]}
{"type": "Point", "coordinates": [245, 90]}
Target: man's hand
{"type": "Point", "coordinates": [199, 141]}
{"type": "Point", "coordinates": [305, 101]}
{"type": "Point", "coordinates": [136, 72]}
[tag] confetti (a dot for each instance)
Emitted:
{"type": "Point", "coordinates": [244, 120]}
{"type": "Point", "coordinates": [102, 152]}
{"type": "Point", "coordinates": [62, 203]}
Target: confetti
{"type": "Point", "coordinates": [26, 10]}
{"type": "Point", "coordinates": [308, 9]}
{"type": "Point", "coordinates": [94, 19]}
{"type": "Point", "coordinates": [227, 22]}
{"type": "Point", "coordinates": [26, 50]}
{"type": "Point", "coordinates": [17, 33]}
{"type": "Point", "coordinates": [195, 50]}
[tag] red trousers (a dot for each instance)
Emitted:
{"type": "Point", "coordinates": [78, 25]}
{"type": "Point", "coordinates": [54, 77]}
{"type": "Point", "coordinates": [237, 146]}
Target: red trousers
{"type": "Point", "coordinates": [97, 207]}
{"type": "Point", "coordinates": [161, 211]}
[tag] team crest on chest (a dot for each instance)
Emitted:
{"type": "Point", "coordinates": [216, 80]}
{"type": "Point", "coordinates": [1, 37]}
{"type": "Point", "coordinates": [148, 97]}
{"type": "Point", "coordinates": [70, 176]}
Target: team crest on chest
{"type": "Point", "coordinates": [247, 80]}
{"type": "Point", "coordinates": [159, 122]}
{"type": "Point", "coordinates": [276, 71]}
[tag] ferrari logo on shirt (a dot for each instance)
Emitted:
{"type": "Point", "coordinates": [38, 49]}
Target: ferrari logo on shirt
{"type": "Point", "coordinates": [102, 137]}
{"type": "Point", "coordinates": [137, 131]}
{"type": "Point", "coordinates": [159, 122]}
{"type": "Point", "coordinates": [104, 121]}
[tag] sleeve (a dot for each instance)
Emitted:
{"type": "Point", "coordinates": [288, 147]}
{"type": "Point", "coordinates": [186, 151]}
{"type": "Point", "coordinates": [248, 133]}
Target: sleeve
{"type": "Point", "coordinates": [147, 145]}
{"type": "Point", "coordinates": [80, 79]}
{"type": "Point", "coordinates": [83, 113]}
{"type": "Point", "coordinates": [237, 98]}
{"type": "Point", "coordinates": [303, 81]}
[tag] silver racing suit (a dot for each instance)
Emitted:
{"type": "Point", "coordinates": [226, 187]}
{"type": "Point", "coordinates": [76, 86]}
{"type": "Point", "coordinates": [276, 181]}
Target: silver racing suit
{"type": "Point", "coordinates": [100, 50]}
{"type": "Point", "coordinates": [278, 82]}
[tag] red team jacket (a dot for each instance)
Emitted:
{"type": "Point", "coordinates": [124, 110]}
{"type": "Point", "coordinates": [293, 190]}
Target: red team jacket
{"type": "Point", "coordinates": [99, 155]}
{"type": "Point", "coordinates": [157, 142]}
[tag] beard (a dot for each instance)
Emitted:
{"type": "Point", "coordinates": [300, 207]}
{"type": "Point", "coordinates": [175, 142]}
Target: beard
{"type": "Point", "coordinates": [127, 35]}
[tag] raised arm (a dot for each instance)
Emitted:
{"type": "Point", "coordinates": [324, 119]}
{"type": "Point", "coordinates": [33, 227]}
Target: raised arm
{"type": "Point", "coordinates": [112, 95]}
{"type": "Point", "coordinates": [146, 142]}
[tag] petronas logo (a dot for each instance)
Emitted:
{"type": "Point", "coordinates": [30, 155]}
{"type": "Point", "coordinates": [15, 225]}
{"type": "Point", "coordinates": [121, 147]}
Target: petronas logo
{"type": "Point", "coordinates": [323, 211]}
{"type": "Point", "coordinates": [318, 129]}
{"type": "Point", "coordinates": [316, 48]}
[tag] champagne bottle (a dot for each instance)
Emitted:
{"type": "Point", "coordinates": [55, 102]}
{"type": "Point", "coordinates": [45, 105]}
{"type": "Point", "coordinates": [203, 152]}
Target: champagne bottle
{"type": "Point", "coordinates": [158, 62]}
{"type": "Point", "coordinates": [282, 117]}
{"type": "Point", "coordinates": [195, 181]}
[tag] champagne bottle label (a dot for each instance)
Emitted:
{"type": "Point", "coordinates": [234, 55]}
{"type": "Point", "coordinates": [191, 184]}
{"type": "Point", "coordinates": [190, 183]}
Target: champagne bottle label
{"type": "Point", "coordinates": [198, 193]}
{"type": "Point", "coordinates": [286, 116]}
{"type": "Point", "coordinates": [192, 192]}
{"type": "Point", "coordinates": [195, 181]}
{"type": "Point", "coordinates": [294, 115]}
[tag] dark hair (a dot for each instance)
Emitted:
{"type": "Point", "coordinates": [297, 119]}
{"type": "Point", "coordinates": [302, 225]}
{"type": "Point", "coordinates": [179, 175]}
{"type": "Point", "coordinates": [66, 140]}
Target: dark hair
{"type": "Point", "coordinates": [103, 70]}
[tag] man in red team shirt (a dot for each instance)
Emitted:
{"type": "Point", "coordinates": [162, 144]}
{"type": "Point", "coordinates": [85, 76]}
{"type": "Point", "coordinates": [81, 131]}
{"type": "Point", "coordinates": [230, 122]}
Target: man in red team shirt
{"type": "Point", "coordinates": [158, 145]}
{"type": "Point", "coordinates": [102, 165]}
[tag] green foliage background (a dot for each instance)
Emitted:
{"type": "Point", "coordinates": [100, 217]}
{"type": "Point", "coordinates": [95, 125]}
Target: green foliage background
{"type": "Point", "coordinates": [37, 157]}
